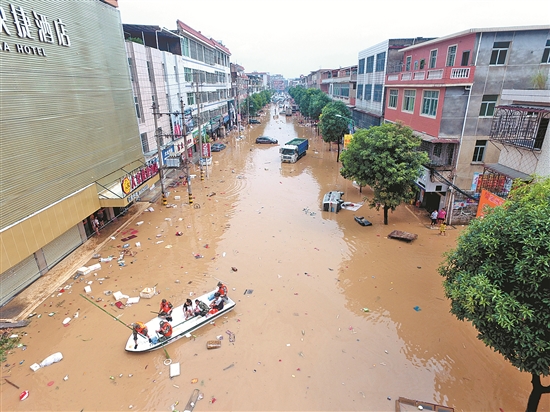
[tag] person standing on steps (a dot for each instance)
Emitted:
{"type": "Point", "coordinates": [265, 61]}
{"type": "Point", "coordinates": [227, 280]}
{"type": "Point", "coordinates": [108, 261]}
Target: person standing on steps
{"type": "Point", "coordinates": [441, 215]}
{"type": "Point", "coordinates": [433, 216]}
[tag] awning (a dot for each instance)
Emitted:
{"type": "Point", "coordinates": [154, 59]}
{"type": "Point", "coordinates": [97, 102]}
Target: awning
{"type": "Point", "coordinates": [432, 139]}
{"type": "Point", "coordinates": [507, 171]}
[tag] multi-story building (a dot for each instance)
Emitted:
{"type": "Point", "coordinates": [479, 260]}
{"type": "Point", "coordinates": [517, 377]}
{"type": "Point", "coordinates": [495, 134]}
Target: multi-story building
{"type": "Point", "coordinates": [177, 71]}
{"type": "Point", "coordinates": [239, 82]}
{"type": "Point", "coordinates": [340, 84]}
{"type": "Point", "coordinates": [374, 62]}
{"type": "Point", "coordinates": [71, 152]}
{"type": "Point", "coordinates": [315, 80]}
{"type": "Point", "coordinates": [447, 92]}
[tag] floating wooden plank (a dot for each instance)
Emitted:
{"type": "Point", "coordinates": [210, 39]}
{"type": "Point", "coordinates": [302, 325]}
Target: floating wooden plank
{"type": "Point", "coordinates": [9, 325]}
{"type": "Point", "coordinates": [409, 405]}
{"type": "Point", "coordinates": [400, 235]}
{"type": "Point", "coordinates": [192, 401]}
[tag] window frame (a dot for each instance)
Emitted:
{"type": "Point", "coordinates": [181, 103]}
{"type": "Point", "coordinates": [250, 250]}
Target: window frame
{"type": "Point", "coordinates": [433, 59]}
{"type": "Point", "coordinates": [361, 67]}
{"type": "Point", "coordinates": [479, 151]}
{"type": "Point", "coordinates": [498, 50]}
{"type": "Point", "coordinates": [546, 53]}
{"type": "Point", "coordinates": [465, 53]}
{"type": "Point", "coordinates": [368, 87]}
{"type": "Point", "coordinates": [377, 93]}
{"type": "Point", "coordinates": [393, 98]}
{"type": "Point", "coordinates": [408, 63]}
{"type": "Point", "coordinates": [359, 92]}
{"type": "Point", "coordinates": [451, 55]}
{"type": "Point", "coordinates": [429, 103]}
{"type": "Point", "coordinates": [488, 104]}
{"type": "Point", "coordinates": [407, 100]}
{"type": "Point", "coordinates": [369, 64]}
{"type": "Point", "coordinates": [380, 62]}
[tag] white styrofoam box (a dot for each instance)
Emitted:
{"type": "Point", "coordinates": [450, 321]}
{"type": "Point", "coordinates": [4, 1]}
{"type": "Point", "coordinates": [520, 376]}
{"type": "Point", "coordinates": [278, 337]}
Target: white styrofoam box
{"type": "Point", "coordinates": [174, 369]}
{"type": "Point", "coordinates": [83, 270]}
{"type": "Point", "coordinates": [177, 197]}
{"type": "Point", "coordinates": [96, 266]}
{"type": "Point", "coordinates": [132, 300]}
{"type": "Point", "coordinates": [87, 289]}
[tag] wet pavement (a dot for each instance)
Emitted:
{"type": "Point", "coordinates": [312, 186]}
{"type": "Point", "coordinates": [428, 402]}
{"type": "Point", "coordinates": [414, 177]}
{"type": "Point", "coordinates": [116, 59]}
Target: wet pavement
{"type": "Point", "coordinates": [340, 316]}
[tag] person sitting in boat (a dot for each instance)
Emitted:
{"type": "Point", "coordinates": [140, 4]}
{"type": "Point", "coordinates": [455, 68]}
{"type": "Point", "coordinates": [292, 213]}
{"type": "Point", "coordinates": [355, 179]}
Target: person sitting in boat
{"type": "Point", "coordinates": [201, 308]}
{"type": "Point", "coordinates": [166, 310]}
{"type": "Point", "coordinates": [217, 304]}
{"type": "Point", "coordinates": [222, 290]}
{"type": "Point", "coordinates": [188, 309]}
{"type": "Point", "coordinates": [165, 330]}
{"type": "Point", "coordinates": [140, 328]}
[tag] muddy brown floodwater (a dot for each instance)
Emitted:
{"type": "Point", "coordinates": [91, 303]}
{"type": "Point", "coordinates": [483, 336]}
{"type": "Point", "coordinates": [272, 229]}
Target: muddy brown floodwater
{"type": "Point", "coordinates": [303, 339]}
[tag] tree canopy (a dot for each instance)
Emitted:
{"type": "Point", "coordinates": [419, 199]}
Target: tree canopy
{"type": "Point", "coordinates": [310, 101]}
{"type": "Point", "coordinates": [498, 278]}
{"type": "Point", "coordinates": [387, 159]}
{"type": "Point", "coordinates": [334, 121]}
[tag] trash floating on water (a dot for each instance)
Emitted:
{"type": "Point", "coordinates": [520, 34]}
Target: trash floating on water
{"type": "Point", "coordinates": [417, 308]}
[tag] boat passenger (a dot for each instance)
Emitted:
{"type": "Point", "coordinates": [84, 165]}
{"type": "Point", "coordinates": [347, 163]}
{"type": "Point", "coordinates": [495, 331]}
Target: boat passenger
{"type": "Point", "coordinates": [166, 310]}
{"type": "Point", "coordinates": [222, 290]}
{"type": "Point", "coordinates": [217, 304]}
{"type": "Point", "coordinates": [188, 309]}
{"type": "Point", "coordinates": [139, 327]}
{"type": "Point", "coordinates": [201, 308]}
{"type": "Point", "coordinates": [165, 329]}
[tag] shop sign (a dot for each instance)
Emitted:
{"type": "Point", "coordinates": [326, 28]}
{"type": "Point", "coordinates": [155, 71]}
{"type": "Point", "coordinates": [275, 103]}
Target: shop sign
{"type": "Point", "coordinates": [137, 177]}
{"type": "Point", "coordinates": [206, 150]}
{"type": "Point", "coordinates": [136, 195]}
{"type": "Point", "coordinates": [30, 26]}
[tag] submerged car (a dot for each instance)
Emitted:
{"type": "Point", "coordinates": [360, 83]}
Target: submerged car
{"type": "Point", "coordinates": [217, 147]}
{"type": "Point", "coordinates": [266, 140]}
{"type": "Point", "coordinates": [362, 221]}
{"type": "Point", "coordinates": [254, 121]}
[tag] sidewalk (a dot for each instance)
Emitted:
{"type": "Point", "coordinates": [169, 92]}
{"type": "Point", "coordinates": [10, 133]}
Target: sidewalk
{"type": "Point", "coordinates": [22, 305]}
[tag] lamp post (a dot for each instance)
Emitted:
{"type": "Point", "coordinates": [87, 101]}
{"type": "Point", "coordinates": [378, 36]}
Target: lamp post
{"type": "Point", "coordinates": [189, 191]}
{"type": "Point", "coordinates": [350, 128]}
{"type": "Point", "coordinates": [159, 154]}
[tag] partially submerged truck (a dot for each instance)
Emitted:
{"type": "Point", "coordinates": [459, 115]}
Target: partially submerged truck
{"type": "Point", "coordinates": [293, 150]}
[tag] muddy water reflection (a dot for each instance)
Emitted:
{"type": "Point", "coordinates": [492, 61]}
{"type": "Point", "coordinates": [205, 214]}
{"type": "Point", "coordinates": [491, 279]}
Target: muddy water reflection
{"type": "Point", "coordinates": [303, 338]}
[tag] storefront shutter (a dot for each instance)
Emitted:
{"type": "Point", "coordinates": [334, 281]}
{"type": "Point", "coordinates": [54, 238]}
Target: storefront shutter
{"type": "Point", "coordinates": [17, 278]}
{"type": "Point", "coordinates": [62, 246]}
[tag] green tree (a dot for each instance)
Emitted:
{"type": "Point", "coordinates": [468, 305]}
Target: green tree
{"type": "Point", "coordinates": [317, 104]}
{"type": "Point", "coordinates": [498, 278]}
{"type": "Point", "coordinates": [334, 122]}
{"type": "Point", "coordinates": [388, 160]}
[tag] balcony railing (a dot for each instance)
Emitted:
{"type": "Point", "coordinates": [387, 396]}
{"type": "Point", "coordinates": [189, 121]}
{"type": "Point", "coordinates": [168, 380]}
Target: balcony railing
{"type": "Point", "coordinates": [419, 75]}
{"type": "Point", "coordinates": [460, 73]}
{"type": "Point", "coordinates": [435, 74]}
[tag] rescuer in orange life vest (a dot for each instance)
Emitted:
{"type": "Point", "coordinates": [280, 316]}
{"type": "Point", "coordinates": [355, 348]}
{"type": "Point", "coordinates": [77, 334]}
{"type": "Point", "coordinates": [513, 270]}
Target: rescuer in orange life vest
{"type": "Point", "coordinates": [222, 290]}
{"type": "Point", "coordinates": [165, 329]}
{"type": "Point", "coordinates": [166, 310]}
{"type": "Point", "coordinates": [139, 327]}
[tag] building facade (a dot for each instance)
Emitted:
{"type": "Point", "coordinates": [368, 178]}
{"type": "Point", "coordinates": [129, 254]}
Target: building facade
{"type": "Point", "coordinates": [79, 138]}
{"type": "Point", "coordinates": [447, 92]}
{"type": "Point", "coordinates": [340, 84]}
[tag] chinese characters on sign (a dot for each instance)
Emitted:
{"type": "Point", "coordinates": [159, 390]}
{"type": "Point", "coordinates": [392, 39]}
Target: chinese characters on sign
{"type": "Point", "coordinates": [30, 26]}
{"type": "Point", "coordinates": [137, 177]}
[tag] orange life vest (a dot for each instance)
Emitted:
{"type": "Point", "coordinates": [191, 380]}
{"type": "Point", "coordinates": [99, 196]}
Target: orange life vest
{"type": "Point", "coordinates": [165, 307]}
{"type": "Point", "coordinates": [166, 329]}
{"type": "Point", "coordinates": [222, 290]}
{"type": "Point", "coordinates": [139, 327]}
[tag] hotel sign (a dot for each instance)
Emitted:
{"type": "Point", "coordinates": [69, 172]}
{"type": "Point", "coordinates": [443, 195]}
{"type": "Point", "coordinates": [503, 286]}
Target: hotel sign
{"type": "Point", "coordinates": [137, 177]}
{"type": "Point", "coordinates": [28, 27]}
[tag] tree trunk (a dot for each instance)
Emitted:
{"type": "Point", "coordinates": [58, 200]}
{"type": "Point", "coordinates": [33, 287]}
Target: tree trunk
{"type": "Point", "coordinates": [386, 208]}
{"type": "Point", "coordinates": [538, 390]}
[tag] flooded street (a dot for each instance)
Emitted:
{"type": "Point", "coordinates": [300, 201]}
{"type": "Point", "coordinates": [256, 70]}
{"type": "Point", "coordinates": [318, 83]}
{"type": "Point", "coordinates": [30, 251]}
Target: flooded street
{"type": "Point", "coordinates": [330, 324]}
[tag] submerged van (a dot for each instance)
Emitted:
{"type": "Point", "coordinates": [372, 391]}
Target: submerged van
{"type": "Point", "coordinates": [332, 201]}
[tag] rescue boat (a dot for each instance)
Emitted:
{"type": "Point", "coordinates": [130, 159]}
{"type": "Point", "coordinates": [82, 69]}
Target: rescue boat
{"type": "Point", "coordinates": [180, 326]}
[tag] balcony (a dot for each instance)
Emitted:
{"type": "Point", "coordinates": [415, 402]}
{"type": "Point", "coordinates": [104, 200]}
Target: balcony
{"type": "Point", "coordinates": [446, 75]}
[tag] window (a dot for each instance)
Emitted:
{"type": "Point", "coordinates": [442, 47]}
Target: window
{"type": "Point", "coordinates": [380, 61]}
{"type": "Point", "coordinates": [392, 100]}
{"type": "Point", "coordinates": [488, 104]}
{"type": "Point", "coordinates": [479, 150]}
{"type": "Point", "coordinates": [190, 99]}
{"type": "Point", "coordinates": [138, 111]}
{"type": "Point", "coordinates": [422, 63]}
{"type": "Point", "coordinates": [437, 149]}
{"type": "Point", "coordinates": [408, 63]}
{"type": "Point", "coordinates": [465, 58]}
{"type": "Point", "coordinates": [433, 59]}
{"type": "Point", "coordinates": [368, 92]}
{"type": "Point", "coordinates": [377, 96]}
{"type": "Point", "coordinates": [359, 91]}
{"type": "Point", "coordinates": [546, 53]}
{"type": "Point", "coordinates": [185, 46]}
{"type": "Point", "coordinates": [451, 56]}
{"type": "Point", "coordinates": [188, 75]}
{"type": "Point", "coordinates": [131, 69]}
{"type": "Point", "coordinates": [144, 142]}
{"type": "Point", "coordinates": [149, 71]}
{"type": "Point", "coordinates": [498, 55]}
{"type": "Point", "coordinates": [361, 66]}
{"type": "Point", "coordinates": [408, 100]}
{"type": "Point", "coordinates": [416, 65]}
{"type": "Point", "coordinates": [429, 102]}
{"type": "Point", "coordinates": [370, 64]}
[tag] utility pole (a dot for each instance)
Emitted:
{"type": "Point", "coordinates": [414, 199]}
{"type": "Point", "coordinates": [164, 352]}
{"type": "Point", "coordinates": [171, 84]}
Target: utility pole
{"type": "Point", "coordinates": [159, 154]}
{"type": "Point", "coordinates": [183, 125]}
{"type": "Point", "coordinates": [198, 101]}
